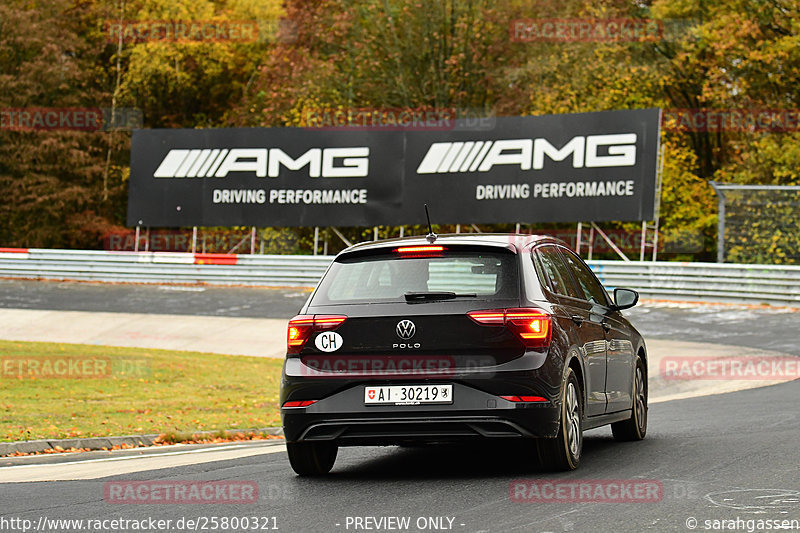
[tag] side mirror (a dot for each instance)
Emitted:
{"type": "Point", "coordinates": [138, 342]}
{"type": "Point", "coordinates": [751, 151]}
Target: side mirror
{"type": "Point", "coordinates": [625, 298]}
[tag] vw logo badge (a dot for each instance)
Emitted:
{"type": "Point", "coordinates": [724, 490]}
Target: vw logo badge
{"type": "Point", "coordinates": [405, 329]}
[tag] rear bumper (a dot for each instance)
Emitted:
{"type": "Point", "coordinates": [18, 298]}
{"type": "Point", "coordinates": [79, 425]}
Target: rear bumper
{"type": "Point", "coordinates": [343, 417]}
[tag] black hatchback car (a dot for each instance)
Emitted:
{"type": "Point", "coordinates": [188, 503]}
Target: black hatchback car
{"type": "Point", "coordinates": [441, 339]}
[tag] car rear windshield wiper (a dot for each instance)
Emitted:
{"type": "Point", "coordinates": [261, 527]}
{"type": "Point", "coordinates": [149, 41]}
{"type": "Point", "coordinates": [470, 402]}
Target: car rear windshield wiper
{"type": "Point", "coordinates": [435, 295]}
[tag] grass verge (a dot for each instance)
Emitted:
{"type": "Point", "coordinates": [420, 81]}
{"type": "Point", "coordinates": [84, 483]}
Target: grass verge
{"type": "Point", "coordinates": [55, 390]}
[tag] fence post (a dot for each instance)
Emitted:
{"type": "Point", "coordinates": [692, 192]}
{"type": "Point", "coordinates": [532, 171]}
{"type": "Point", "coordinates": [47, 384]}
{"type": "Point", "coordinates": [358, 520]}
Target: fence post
{"type": "Point", "coordinates": [720, 223]}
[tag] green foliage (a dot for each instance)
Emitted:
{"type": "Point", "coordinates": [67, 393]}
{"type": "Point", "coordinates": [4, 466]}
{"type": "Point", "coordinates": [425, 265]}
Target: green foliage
{"type": "Point", "coordinates": [688, 204]}
{"type": "Point", "coordinates": [761, 227]}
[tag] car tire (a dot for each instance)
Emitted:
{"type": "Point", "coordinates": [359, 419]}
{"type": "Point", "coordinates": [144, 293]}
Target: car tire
{"type": "Point", "coordinates": [312, 458]}
{"type": "Point", "coordinates": [563, 453]}
{"type": "Point", "coordinates": [635, 428]}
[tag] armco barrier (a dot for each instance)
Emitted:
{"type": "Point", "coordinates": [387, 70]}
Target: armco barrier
{"type": "Point", "coordinates": [776, 285]}
{"type": "Point", "coordinates": [755, 284]}
{"type": "Point", "coordinates": [162, 267]}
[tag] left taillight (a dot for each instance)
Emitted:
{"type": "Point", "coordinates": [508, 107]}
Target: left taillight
{"type": "Point", "coordinates": [532, 326]}
{"type": "Point", "coordinates": [300, 403]}
{"type": "Point", "coordinates": [301, 328]}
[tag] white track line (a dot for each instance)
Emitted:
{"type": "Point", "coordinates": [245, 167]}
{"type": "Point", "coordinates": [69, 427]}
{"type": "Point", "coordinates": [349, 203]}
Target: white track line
{"type": "Point", "coordinates": [112, 466]}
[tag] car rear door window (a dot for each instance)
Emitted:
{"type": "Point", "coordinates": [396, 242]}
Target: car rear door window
{"type": "Point", "coordinates": [591, 288]}
{"type": "Point", "coordinates": [557, 276]}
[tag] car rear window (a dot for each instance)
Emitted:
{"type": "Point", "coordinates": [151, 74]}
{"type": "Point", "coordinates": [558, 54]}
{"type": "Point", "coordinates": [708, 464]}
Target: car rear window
{"type": "Point", "coordinates": [388, 277]}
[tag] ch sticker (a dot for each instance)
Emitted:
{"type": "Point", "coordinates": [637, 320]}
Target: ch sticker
{"type": "Point", "coordinates": [328, 341]}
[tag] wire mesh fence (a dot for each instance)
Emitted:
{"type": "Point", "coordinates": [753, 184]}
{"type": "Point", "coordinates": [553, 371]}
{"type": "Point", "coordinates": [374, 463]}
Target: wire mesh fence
{"type": "Point", "coordinates": [759, 224]}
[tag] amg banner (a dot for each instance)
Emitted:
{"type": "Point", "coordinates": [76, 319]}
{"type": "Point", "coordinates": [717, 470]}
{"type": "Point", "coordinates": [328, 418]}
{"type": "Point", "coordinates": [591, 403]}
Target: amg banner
{"type": "Point", "coordinates": [556, 168]}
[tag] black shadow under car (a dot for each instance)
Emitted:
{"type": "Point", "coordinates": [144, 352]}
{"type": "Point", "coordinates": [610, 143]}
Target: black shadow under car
{"type": "Point", "coordinates": [431, 340]}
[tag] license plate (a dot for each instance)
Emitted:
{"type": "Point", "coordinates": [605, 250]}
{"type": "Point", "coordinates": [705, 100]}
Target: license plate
{"type": "Point", "coordinates": [408, 395]}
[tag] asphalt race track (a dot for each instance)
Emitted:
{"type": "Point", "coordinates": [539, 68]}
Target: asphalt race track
{"type": "Point", "coordinates": [722, 457]}
{"type": "Point", "coordinates": [244, 302]}
{"type": "Point", "coordinates": [725, 457]}
{"type": "Point", "coordinates": [755, 327]}
{"type": "Point", "coordinates": [765, 328]}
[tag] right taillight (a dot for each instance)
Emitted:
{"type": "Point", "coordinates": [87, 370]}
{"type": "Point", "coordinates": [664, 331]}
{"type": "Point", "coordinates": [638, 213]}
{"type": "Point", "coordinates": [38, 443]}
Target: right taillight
{"type": "Point", "coordinates": [301, 327]}
{"type": "Point", "coordinates": [532, 326]}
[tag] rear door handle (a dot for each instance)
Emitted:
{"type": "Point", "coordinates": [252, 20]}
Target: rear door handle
{"type": "Point", "coordinates": [577, 319]}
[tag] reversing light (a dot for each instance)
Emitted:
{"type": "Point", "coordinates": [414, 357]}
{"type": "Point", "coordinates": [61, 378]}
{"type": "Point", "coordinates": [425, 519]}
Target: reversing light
{"type": "Point", "coordinates": [489, 317]}
{"type": "Point", "coordinates": [524, 398]}
{"type": "Point", "coordinates": [301, 327]}
{"type": "Point", "coordinates": [300, 403]}
{"type": "Point", "coordinates": [532, 326]}
{"type": "Point", "coordinates": [328, 321]}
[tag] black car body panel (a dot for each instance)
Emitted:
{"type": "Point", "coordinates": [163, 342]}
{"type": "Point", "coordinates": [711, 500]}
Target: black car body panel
{"type": "Point", "coordinates": [482, 361]}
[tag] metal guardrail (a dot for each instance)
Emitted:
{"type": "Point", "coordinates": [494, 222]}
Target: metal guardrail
{"type": "Point", "coordinates": [163, 267]}
{"type": "Point", "coordinates": [756, 284]}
